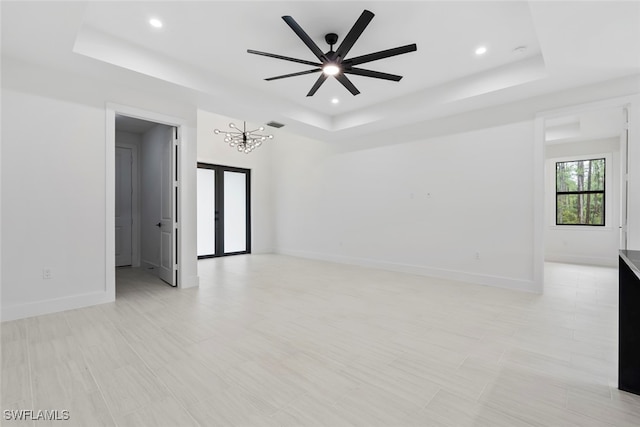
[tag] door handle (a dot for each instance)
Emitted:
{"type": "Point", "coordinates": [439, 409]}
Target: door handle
{"type": "Point", "coordinates": [159, 225]}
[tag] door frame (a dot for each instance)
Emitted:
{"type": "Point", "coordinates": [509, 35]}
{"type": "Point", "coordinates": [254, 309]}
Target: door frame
{"type": "Point", "coordinates": [112, 110]}
{"type": "Point", "coordinates": [219, 203]}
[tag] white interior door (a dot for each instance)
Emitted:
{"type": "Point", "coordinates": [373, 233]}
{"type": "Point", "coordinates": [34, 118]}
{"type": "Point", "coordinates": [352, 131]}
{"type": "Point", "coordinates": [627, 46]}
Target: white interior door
{"type": "Point", "coordinates": [168, 214]}
{"type": "Point", "coordinates": [124, 205]}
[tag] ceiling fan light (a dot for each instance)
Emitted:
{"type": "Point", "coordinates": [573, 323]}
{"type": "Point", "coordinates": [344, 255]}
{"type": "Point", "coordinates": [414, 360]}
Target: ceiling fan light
{"type": "Point", "coordinates": [331, 69]}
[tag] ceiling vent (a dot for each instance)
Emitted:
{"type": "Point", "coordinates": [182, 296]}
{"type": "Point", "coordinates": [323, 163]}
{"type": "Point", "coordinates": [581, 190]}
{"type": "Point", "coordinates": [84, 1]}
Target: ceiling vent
{"type": "Point", "coordinates": [275, 125]}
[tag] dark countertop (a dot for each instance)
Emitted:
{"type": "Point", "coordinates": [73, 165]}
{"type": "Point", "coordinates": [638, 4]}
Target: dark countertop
{"type": "Point", "coordinates": [632, 259]}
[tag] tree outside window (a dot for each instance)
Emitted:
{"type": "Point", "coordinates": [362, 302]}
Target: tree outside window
{"type": "Point", "coordinates": [580, 192]}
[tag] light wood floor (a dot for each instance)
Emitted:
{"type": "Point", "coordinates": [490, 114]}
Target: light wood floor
{"type": "Point", "coordinates": [279, 341]}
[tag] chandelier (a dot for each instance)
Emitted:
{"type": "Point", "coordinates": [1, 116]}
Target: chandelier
{"type": "Point", "coordinates": [245, 140]}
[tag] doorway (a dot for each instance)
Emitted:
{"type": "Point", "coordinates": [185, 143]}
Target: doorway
{"type": "Point", "coordinates": [146, 197]}
{"type": "Point", "coordinates": [583, 187]}
{"type": "Point", "coordinates": [600, 130]}
{"type": "Point", "coordinates": [224, 211]}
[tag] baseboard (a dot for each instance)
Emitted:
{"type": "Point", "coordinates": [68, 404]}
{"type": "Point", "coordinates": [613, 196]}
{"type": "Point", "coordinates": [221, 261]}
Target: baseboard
{"type": "Point", "coordinates": [460, 276]}
{"type": "Point", "coordinates": [581, 259]}
{"type": "Point", "coordinates": [147, 265]}
{"type": "Point", "coordinates": [263, 251]}
{"type": "Point", "coordinates": [190, 282]}
{"type": "Point", "coordinates": [21, 311]}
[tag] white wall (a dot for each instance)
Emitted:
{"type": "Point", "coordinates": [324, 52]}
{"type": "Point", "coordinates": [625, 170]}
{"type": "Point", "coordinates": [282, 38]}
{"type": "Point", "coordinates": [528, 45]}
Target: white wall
{"type": "Point", "coordinates": [54, 186]}
{"type": "Point", "coordinates": [212, 149]}
{"type": "Point", "coordinates": [53, 169]}
{"type": "Point", "coordinates": [309, 198]}
{"type": "Point", "coordinates": [427, 207]}
{"type": "Point", "coordinates": [576, 244]}
{"type": "Point", "coordinates": [128, 138]}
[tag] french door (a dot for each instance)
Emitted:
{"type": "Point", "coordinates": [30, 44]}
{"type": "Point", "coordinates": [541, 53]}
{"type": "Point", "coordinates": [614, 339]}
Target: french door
{"type": "Point", "coordinates": [224, 211]}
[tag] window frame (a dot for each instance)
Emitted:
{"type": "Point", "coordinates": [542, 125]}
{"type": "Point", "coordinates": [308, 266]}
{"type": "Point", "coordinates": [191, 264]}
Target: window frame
{"type": "Point", "coordinates": [564, 193]}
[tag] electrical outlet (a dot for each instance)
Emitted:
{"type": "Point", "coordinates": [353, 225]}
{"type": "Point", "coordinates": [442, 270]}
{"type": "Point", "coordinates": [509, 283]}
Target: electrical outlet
{"type": "Point", "coordinates": [46, 273]}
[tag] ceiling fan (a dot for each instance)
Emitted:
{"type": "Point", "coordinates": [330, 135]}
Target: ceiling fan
{"type": "Point", "coordinates": [333, 63]}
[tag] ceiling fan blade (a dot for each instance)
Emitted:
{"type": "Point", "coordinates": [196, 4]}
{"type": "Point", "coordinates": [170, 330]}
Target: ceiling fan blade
{"type": "Point", "coordinates": [317, 84]}
{"type": "Point", "coordinates": [301, 73]}
{"type": "Point", "coordinates": [355, 32]}
{"type": "Point", "coordinates": [374, 74]}
{"type": "Point", "coordinates": [286, 58]}
{"type": "Point", "coordinates": [347, 83]}
{"type": "Point", "coordinates": [381, 55]}
{"type": "Point", "coordinates": [305, 38]}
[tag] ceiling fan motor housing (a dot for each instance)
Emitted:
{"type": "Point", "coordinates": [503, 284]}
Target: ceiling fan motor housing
{"type": "Point", "coordinates": [331, 39]}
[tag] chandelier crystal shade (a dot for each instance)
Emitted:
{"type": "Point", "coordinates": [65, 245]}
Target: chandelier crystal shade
{"type": "Point", "coordinates": [244, 140]}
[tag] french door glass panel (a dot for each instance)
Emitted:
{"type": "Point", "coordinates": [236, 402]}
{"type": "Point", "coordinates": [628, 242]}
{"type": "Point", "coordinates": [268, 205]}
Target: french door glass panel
{"type": "Point", "coordinates": [206, 211]}
{"type": "Point", "coordinates": [235, 212]}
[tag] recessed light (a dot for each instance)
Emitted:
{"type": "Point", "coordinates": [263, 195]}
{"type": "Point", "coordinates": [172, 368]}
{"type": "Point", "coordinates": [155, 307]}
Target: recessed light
{"type": "Point", "coordinates": [481, 50]}
{"type": "Point", "coordinates": [335, 101]}
{"type": "Point", "coordinates": [155, 22]}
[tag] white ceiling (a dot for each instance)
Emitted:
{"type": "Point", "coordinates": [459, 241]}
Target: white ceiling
{"type": "Point", "coordinates": [214, 37]}
{"type": "Point", "coordinates": [202, 49]}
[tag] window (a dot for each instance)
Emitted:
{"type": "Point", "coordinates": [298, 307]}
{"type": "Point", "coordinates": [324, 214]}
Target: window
{"type": "Point", "coordinates": [580, 192]}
